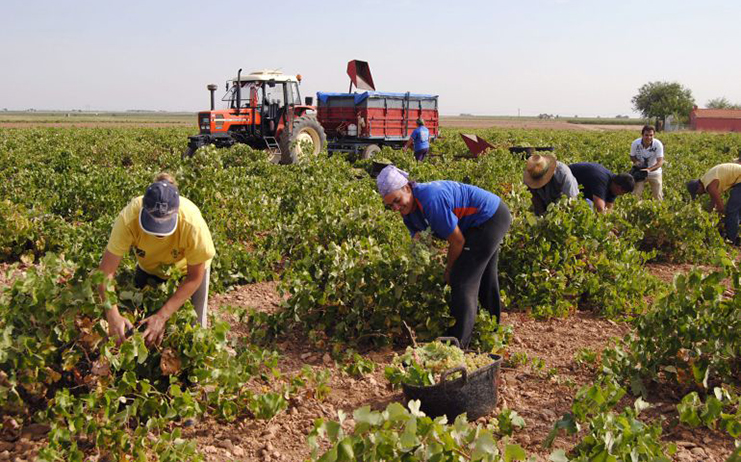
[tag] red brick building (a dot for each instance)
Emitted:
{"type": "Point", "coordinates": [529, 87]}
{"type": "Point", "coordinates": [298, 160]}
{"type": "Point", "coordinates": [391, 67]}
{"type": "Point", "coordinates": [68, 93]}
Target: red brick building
{"type": "Point", "coordinates": [719, 120]}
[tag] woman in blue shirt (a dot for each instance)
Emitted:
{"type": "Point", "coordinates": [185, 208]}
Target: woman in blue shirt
{"type": "Point", "coordinates": [472, 220]}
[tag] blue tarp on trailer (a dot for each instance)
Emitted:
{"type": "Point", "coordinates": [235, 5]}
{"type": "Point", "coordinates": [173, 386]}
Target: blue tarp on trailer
{"type": "Point", "coordinates": [360, 97]}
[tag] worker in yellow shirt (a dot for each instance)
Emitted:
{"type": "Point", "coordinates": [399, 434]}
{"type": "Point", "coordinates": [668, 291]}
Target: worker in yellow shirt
{"type": "Point", "coordinates": [165, 230]}
{"type": "Point", "coordinates": [715, 182]}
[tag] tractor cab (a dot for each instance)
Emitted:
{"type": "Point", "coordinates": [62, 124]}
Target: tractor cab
{"type": "Point", "coordinates": [269, 94]}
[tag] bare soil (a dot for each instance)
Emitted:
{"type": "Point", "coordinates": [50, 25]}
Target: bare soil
{"type": "Point", "coordinates": [545, 368]}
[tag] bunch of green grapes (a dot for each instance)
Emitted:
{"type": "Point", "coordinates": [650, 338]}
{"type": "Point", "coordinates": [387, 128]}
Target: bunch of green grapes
{"type": "Point", "coordinates": [423, 365]}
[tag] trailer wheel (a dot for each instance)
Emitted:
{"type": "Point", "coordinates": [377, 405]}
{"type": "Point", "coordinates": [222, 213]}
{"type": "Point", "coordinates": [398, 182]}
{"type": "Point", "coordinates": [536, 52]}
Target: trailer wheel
{"type": "Point", "coordinates": [370, 151]}
{"type": "Point", "coordinates": [305, 142]}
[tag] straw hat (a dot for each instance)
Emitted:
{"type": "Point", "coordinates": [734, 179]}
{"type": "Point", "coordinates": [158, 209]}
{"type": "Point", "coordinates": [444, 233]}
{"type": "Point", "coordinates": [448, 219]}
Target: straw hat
{"type": "Point", "coordinates": [539, 170]}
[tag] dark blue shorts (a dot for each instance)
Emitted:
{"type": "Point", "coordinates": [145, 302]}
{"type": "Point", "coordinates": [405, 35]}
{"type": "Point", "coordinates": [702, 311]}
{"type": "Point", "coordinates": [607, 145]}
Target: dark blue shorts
{"type": "Point", "coordinates": [420, 155]}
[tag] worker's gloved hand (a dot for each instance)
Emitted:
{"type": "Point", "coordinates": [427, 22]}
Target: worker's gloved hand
{"type": "Point", "coordinates": [117, 325]}
{"type": "Point", "coordinates": [155, 331]}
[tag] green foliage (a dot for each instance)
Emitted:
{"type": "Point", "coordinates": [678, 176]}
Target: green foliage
{"type": "Point", "coordinates": [407, 434]}
{"type": "Point", "coordinates": [721, 103]}
{"type": "Point", "coordinates": [661, 99]}
{"type": "Point", "coordinates": [561, 262]}
{"type": "Point", "coordinates": [488, 336]}
{"type": "Point", "coordinates": [358, 366]}
{"type": "Point", "coordinates": [518, 358]}
{"type": "Point", "coordinates": [721, 409]}
{"type": "Point", "coordinates": [507, 421]}
{"type": "Point", "coordinates": [610, 436]}
{"type": "Point", "coordinates": [324, 233]}
{"type": "Point", "coordinates": [690, 337]}
{"type": "Point", "coordinates": [362, 289]}
{"type": "Point", "coordinates": [536, 365]}
{"type": "Point", "coordinates": [616, 437]}
{"type": "Point", "coordinates": [676, 231]}
{"type": "Point", "coordinates": [586, 356]}
{"type": "Point", "coordinates": [57, 366]}
{"type": "Point", "coordinates": [267, 405]}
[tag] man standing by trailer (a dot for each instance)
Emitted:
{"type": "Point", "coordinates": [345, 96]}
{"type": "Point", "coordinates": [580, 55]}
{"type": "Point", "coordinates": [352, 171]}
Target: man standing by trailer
{"type": "Point", "coordinates": [647, 155]}
{"type": "Point", "coordinates": [421, 139]}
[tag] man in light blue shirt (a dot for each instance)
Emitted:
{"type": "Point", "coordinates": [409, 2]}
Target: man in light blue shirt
{"type": "Point", "coordinates": [421, 139]}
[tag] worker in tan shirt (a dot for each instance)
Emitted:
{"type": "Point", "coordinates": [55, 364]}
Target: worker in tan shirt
{"type": "Point", "coordinates": [715, 182]}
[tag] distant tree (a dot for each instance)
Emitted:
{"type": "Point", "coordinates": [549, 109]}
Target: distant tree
{"type": "Point", "coordinates": [661, 99]}
{"type": "Point", "coordinates": [721, 103]}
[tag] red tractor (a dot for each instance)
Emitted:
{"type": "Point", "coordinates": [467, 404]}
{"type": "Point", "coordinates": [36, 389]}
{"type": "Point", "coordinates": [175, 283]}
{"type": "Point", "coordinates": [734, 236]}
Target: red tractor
{"type": "Point", "coordinates": [265, 111]}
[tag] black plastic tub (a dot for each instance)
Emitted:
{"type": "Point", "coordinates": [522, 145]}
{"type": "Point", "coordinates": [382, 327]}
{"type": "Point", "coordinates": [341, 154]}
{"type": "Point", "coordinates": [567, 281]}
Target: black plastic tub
{"type": "Point", "coordinates": [474, 393]}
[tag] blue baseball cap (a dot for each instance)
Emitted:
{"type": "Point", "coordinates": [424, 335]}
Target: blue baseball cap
{"type": "Point", "coordinates": [159, 214]}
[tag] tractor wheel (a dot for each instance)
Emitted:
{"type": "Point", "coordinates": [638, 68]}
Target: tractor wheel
{"type": "Point", "coordinates": [306, 141]}
{"type": "Point", "coordinates": [189, 152]}
{"type": "Point", "coordinates": [370, 151]}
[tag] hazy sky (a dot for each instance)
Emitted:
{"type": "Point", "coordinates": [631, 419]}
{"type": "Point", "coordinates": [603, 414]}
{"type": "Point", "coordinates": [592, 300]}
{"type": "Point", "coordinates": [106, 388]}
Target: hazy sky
{"type": "Point", "coordinates": [568, 57]}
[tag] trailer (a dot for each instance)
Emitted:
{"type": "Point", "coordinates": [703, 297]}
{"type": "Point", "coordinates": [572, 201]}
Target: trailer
{"type": "Point", "coordinates": [362, 123]}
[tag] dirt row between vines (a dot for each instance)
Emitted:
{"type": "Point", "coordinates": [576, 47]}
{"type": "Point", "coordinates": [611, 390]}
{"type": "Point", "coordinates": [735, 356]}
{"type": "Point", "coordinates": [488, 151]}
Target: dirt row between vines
{"type": "Point", "coordinates": [540, 394]}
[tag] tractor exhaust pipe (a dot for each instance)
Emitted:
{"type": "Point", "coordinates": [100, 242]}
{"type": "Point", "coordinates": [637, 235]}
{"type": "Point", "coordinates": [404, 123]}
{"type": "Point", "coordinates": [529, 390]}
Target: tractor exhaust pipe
{"type": "Point", "coordinates": [212, 88]}
{"type": "Point", "coordinates": [239, 89]}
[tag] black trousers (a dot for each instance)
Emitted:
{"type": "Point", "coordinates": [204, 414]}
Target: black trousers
{"type": "Point", "coordinates": [474, 277]}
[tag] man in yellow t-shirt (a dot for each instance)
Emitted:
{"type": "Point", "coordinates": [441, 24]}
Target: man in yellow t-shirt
{"type": "Point", "coordinates": [715, 182]}
{"type": "Point", "coordinates": [165, 230]}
